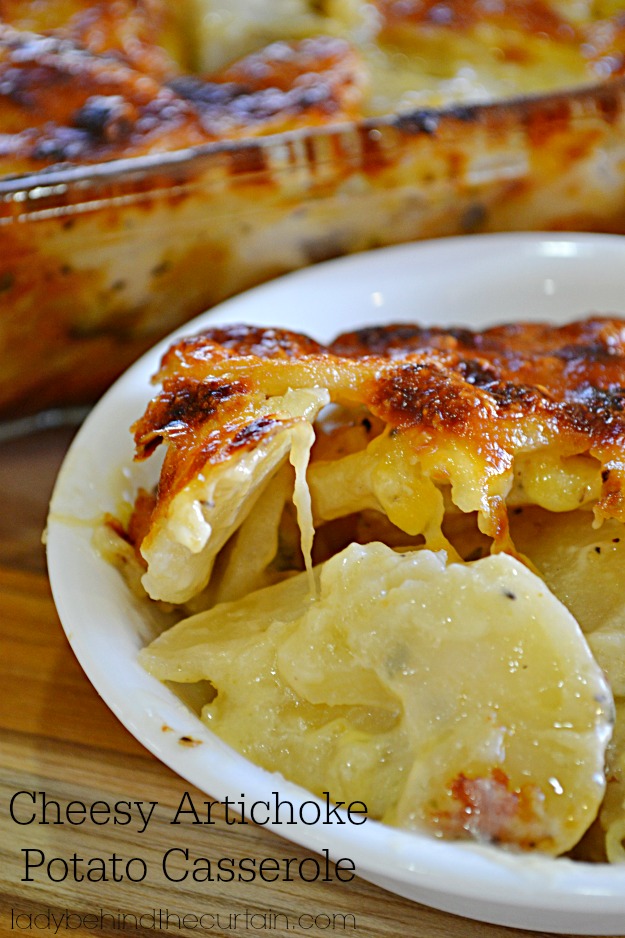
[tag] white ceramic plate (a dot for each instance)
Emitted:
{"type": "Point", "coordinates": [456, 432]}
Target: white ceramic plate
{"type": "Point", "coordinates": [474, 281]}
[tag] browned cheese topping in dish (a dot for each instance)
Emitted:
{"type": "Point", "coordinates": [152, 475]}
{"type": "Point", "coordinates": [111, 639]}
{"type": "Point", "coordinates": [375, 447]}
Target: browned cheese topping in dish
{"type": "Point", "coordinates": [158, 156]}
{"type": "Point", "coordinates": [85, 82]}
{"type": "Point", "coordinates": [396, 561]}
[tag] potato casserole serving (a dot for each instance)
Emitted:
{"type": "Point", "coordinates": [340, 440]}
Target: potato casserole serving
{"type": "Point", "coordinates": [390, 568]}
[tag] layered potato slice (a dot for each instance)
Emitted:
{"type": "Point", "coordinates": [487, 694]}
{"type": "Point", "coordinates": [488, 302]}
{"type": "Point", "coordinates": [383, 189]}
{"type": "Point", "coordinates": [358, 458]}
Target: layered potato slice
{"type": "Point", "coordinates": [459, 699]}
{"type": "Point", "coordinates": [182, 547]}
{"type": "Point", "coordinates": [367, 539]}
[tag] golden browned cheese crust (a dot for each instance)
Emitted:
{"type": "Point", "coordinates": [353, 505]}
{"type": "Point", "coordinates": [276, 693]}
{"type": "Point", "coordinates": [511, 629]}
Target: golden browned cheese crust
{"type": "Point", "coordinates": [83, 82]}
{"type": "Point", "coordinates": [493, 395]}
{"type": "Point", "coordinates": [61, 102]}
{"type": "Point", "coordinates": [135, 31]}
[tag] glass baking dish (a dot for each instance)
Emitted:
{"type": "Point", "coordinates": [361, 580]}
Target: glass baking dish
{"type": "Point", "coordinates": [98, 262]}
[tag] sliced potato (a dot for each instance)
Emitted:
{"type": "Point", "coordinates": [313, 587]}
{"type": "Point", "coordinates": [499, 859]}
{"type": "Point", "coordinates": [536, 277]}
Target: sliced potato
{"type": "Point", "coordinates": [181, 548]}
{"type": "Point", "coordinates": [459, 698]}
{"type": "Point", "coordinates": [583, 565]}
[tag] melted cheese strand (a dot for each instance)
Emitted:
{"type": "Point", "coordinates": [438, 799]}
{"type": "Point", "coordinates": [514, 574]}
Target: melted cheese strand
{"type": "Point", "coordinates": [303, 437]}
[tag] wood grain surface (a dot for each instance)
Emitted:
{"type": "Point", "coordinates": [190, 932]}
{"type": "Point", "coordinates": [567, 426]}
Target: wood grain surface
{"type": "Point", "coordinates": [58, 737]}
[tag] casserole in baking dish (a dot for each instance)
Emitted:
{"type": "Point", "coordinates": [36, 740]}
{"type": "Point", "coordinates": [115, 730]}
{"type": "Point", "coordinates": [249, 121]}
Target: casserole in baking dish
{"type": "Point", "coordinates": [156, 158]}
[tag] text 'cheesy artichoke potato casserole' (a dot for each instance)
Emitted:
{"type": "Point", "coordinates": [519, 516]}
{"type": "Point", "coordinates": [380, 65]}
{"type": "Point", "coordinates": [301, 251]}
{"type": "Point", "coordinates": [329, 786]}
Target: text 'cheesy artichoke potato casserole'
{"type": "Point", "coordinates": [395, 566]}
{"type": "Point", "coordinates": [156, 157]}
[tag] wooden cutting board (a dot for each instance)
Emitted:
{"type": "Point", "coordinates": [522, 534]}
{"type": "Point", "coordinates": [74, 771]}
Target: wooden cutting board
{"type": "Point", "coordinates": [58, 737]}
